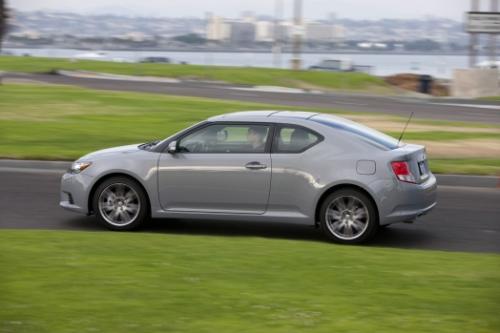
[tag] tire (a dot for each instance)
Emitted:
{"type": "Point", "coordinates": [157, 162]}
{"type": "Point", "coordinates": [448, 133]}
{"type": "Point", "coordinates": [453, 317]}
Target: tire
{"type": "Point", "coordinates": [348, 216]}
{"type": "Point", "coordinates": [120, 204]}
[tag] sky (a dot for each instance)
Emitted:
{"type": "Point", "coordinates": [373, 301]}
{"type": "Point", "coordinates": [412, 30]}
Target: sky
{"type": "Point", "coordinates": [313, 9]}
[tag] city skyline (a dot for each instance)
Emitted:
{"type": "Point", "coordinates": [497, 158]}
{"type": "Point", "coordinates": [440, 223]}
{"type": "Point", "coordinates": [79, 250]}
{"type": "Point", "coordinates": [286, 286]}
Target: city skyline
{"type": "Point", "coordinates": [313, 9]}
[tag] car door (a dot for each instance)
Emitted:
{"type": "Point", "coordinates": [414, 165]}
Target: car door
{"type": "Point", "coordinates": [218, 169]}
{"type": "Point", "coordinates": [294, 182]}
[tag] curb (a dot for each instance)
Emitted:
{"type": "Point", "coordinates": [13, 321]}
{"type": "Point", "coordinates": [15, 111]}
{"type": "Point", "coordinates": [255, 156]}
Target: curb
{"type": "Point", "coordinates": [468, 181]}
{"type": "Point", "coordinates": [59, 167]}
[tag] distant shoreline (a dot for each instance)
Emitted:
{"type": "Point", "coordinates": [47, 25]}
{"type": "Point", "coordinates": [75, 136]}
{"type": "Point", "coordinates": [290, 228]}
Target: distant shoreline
{"type": "Point", "coordinates": [381, 63]}
{"type": "Point", "coordinates": [268, 51]}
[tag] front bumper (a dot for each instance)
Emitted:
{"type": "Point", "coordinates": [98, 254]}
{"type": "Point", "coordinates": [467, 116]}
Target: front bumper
{"type": "Point", "coordinates": [75, 192]}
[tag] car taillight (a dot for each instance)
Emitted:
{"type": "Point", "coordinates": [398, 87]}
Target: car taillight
{"type": "Point", "coordinates": [402, 171]}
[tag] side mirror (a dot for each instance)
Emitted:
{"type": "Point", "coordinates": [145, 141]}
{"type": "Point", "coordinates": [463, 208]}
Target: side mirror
{"type": "Point", "coordinates": [172, 147]}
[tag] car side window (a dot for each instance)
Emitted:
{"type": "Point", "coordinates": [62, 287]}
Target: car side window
{"type": "Point", "coordinates": [294, 139]}
{"type": "Point", "coordinates": [226, 138]}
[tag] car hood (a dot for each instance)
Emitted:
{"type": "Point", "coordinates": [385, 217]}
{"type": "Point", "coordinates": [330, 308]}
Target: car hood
{"type": "Point", "coordinates": [129, 149]}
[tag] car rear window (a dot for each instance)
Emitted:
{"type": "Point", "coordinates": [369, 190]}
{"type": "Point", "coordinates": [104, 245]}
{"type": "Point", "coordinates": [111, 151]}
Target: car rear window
{"type": "Point", "coordinates": [294, 139]}
{"type": "Point", "coordinates": [362, 131]}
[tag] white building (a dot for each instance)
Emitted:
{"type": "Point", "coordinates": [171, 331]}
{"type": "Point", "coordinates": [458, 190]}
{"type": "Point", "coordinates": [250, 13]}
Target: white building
{"type": "Point", "coordinates": [218, 29]}
{"type": "Point", "coordinates": [135, 36]}
{"type": "Point", "coordinates": [372, 45]}
{"type": "Point", "coordinates": [264, 31]}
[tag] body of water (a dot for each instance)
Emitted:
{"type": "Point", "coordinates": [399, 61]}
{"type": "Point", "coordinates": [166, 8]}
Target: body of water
{"type": "Point", "coordinates": [440, 66]}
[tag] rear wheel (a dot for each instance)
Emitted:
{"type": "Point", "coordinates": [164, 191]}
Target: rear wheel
{"type": "Point", "coordinates": [348, 216]}
{"type": "Point", "coordinates": [120, 204]}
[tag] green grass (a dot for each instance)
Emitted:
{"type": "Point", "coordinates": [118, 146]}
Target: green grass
{"type": "Point", "coordinates": [59, 122]}
{"type": "Point", "coordinates": [56, 281]}
{"type": "Point", "coordinates": [490, 98]}
{"type": "Point", "coordinates": [63, 122]}
{"type": "Point", "coordinates": [237, 75]}
{"type": "Point", "coordinates": [466, 166]}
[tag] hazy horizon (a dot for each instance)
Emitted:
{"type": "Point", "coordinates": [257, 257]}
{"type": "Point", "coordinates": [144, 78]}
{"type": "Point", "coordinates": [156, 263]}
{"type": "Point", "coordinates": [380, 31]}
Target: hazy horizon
{"type": "Point", "coordinates": [312, 9]}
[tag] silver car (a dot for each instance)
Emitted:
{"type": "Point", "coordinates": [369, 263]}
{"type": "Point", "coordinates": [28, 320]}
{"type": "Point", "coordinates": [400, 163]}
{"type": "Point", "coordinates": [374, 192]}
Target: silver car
{"type": "Point", "coordinates": [291, 167]}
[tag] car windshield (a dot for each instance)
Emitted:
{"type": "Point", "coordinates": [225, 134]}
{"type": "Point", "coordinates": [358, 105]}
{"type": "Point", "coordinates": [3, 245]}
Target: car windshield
{"type": "Point", "coordinates": [362, 131]}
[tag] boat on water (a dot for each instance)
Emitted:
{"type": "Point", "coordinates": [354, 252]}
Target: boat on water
{"type": "Point", "coordinates": [97, 55]}
{"type": "Point", "coordinates": [343, 65]}
{"type": "Point", "coordinates": [488, 64]}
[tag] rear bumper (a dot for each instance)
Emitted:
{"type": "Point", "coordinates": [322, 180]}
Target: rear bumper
{"type": "Point", "coordinates": [408, 215]}
{"type": "Point", "coordinates": [411, 201]}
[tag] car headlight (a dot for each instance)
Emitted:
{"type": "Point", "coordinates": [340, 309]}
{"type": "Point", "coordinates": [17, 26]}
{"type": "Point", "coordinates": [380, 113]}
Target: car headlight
{"type": "Point", "coordinates": [78, 167]}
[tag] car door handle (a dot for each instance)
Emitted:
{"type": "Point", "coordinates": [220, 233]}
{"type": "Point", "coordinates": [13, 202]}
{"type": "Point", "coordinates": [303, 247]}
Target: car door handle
{"type": "Point", "coordinates": [255, 166]}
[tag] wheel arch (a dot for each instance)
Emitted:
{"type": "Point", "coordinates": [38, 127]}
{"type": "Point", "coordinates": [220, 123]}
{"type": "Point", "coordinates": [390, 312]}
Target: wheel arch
{"type": "Point", "coordinates": [111, 175]}
{"type": "Point", "coordinates": [338, 187]}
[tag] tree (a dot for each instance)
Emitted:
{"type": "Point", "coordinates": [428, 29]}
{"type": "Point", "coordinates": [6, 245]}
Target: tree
{"type": "Point", "coordinates": [3, 21]}
{"type": "Point", "coordinates": [191, 39]}
{"type": "Point", "coordinates": [422, 45]}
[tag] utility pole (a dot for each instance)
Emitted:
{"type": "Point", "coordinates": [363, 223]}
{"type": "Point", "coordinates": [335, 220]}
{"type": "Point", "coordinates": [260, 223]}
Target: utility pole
{"type": "Point", "coordinates": [297, 35]}
{"type": "Point", "coordinates": [473, 39]}
{"type": "Point", "coordinates": [4, 16]}
{"type": "Point", "coordinates": [493, 37]}
{"type": "Point", "coordinates": [278, 41]}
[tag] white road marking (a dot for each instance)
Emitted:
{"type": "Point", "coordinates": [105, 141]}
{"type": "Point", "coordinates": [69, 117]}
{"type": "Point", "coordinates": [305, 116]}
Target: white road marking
{"type": "Point", "coordinates": [32, 170]}
{"type": "Point", "coordinates": [271, 89]}
{"type": "Point", "coordinates": [119, 77]}
{"type": "Point", "coordinates": [478, 106]}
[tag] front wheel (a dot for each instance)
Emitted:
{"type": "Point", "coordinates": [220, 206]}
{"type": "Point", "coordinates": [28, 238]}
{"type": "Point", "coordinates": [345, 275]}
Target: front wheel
{"type": "Point", "coordinates": [120, 204]}
{"type": "Point", "coordinates": [348, 216]}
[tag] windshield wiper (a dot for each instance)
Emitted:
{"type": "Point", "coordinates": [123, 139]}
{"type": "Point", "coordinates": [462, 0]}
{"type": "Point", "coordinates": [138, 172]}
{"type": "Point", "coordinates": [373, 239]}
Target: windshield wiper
{"type": "Point", "coordinates": [149, 144]}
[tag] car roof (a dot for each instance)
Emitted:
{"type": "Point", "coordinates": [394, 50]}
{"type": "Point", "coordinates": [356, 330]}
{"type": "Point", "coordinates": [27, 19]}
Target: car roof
{"type": "Point", "coordinates": [262, 115]}
{"type": "Point", "coordinates": [277, 116]}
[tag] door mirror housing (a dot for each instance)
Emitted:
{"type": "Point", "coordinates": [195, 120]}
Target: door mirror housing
{"type": "Point", "coordinates": [172, 147]}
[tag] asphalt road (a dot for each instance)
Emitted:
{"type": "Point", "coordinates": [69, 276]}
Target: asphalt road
{"type": "Point", "coordinates": [447, 109]}
{"type": "Point", "coordinates": [466, 218]}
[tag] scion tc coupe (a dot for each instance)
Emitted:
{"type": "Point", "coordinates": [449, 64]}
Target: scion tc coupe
{"type": "Point", "coordinates": [290, 167]}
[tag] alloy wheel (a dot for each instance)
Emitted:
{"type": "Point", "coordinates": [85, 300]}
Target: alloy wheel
{"type": "Point", "coordinates": [119, 204]}
{"type": "Point", "coordinates": [347, 217]}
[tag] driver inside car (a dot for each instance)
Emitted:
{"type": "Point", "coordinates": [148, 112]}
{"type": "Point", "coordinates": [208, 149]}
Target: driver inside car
{"type": "Point", "coordinates": [256, 138]}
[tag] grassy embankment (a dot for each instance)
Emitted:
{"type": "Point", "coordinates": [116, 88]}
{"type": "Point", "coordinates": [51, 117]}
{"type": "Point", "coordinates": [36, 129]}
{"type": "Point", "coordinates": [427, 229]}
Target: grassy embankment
{"type": "Point", "coordinates": [236, 75]}
{"type": "Point", "coordinates": [58, 122]}
{"type": "Point", "coordinates": [56, 281]}
{"type": "Point", "coordinates": [490, 98]}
